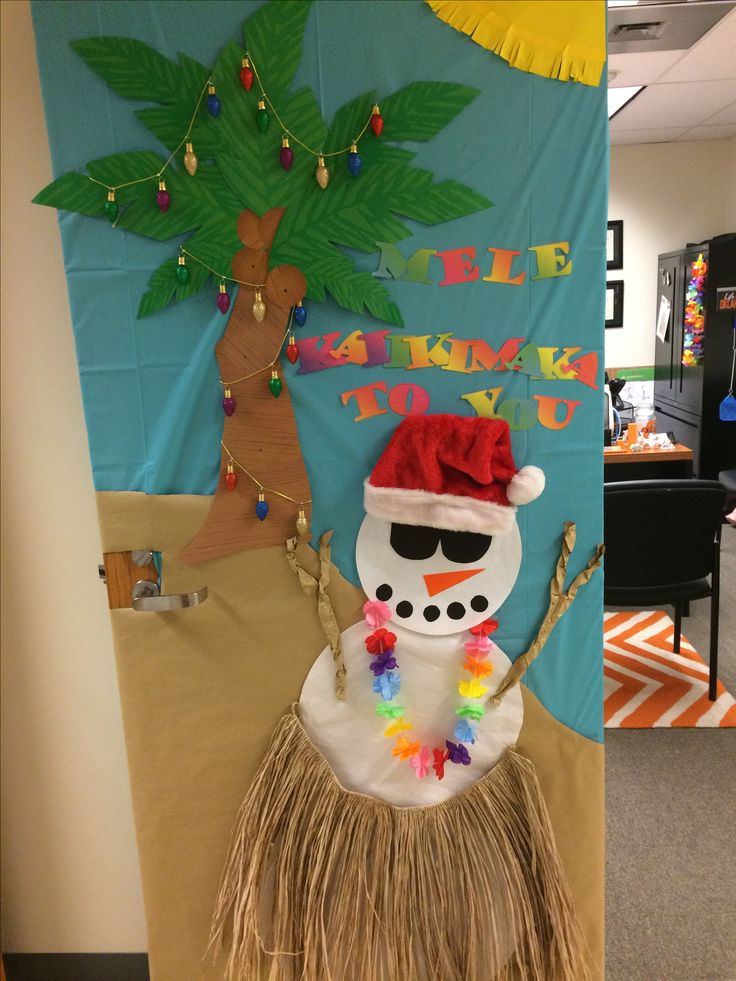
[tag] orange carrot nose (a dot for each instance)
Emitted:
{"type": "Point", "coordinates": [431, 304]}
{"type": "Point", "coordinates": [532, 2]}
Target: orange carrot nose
{"type": "Point", "coordinates": [438, 582]}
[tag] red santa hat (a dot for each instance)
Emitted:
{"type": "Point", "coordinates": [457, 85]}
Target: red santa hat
{"type": "Point", "coordinates": [451, 472]}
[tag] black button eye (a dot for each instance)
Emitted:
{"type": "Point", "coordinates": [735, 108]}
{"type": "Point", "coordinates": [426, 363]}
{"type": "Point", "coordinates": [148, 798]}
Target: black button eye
{"type": "Point", "coordinates": [414, 541]}
{"type": "Point", "coordinates": [464, 546]}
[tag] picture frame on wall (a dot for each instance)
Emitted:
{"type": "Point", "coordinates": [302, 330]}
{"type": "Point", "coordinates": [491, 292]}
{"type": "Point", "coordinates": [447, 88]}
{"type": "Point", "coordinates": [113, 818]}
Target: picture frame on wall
{"type": "Point", "coordinates": [615, 245]}
{"type": "Point", "coordinates": [615, 303]}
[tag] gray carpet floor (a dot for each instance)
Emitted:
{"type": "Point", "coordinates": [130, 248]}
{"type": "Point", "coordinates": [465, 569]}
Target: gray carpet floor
{"type": "Point", "coordinates": [671, 831]}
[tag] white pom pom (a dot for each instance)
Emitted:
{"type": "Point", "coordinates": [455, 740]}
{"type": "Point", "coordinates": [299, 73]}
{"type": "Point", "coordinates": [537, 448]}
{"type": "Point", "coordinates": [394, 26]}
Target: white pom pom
{"type": "Point", "coordinates": [526, 486]}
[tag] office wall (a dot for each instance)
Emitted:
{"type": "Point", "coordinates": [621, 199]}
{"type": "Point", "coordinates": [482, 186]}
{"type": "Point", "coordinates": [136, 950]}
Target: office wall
{"type": "Point", "coordinates": [667, 194]}
{"type": "Point", "coordinates": [70, 877]}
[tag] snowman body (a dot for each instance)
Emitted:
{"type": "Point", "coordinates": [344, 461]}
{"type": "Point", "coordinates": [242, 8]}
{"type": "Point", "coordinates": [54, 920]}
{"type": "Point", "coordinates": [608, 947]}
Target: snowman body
{"type": "Point", "coordinates": [437, 585]}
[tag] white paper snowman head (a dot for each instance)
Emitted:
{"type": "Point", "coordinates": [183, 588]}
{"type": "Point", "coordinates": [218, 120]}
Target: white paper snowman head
{"type": "Point", "coordinates": [439, 543]}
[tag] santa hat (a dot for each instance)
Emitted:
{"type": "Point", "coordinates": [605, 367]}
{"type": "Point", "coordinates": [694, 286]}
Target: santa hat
{"type": "Point", "coordinates": [451, 472]}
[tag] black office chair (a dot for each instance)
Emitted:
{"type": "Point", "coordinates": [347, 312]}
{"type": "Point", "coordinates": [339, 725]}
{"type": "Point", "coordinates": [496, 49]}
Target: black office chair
{"type": "Point", "coordinates": [663, 539]}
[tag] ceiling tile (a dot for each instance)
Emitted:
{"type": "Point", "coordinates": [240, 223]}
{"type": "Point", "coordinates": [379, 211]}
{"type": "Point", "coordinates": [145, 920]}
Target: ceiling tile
{"type": "Point", "coordinates": [641, 68]}
{"type": "Point", "coordinates": [709, 133]}
{"type": "Point", "coordinates": [712, 57]}
{"type": "Point", "coordinates": [647, 135]}
{"type": "Point", "coordinates": [727, 115]}
{"type": "Point", "coordinates": [681, 104]}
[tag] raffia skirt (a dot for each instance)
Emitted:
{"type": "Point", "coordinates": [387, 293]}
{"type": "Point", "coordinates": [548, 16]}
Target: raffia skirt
{"type": "Point", "coordinates": [325, 884]}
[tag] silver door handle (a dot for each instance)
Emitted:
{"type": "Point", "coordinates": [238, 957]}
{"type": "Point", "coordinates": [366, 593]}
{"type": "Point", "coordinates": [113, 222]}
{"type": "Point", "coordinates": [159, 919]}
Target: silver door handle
{"type": "Point", "coordinates": [147, 598]}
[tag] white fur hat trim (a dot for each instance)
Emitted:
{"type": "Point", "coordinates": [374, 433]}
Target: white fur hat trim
{"type": "Point", "coordinates": [526, 486]}
{"type": "Point", "coordinates": [453, 512]}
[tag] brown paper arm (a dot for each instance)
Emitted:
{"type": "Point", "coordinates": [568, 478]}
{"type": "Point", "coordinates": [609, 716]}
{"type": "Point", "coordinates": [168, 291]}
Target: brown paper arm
{"type": "Point", "coordinates": [325, 611]}
{"type": "Point", "coordinates": [559, 603]}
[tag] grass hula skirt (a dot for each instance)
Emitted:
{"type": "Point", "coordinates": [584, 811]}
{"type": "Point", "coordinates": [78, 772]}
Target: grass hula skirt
{"type": "Point", "coordinates": [325, 884]}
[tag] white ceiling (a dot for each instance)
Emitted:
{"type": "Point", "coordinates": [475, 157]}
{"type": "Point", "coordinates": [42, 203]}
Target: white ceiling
{"type": "Point", "coordinates": [689, 94]}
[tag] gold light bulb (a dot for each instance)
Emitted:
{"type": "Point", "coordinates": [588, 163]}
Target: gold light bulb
{"type": "Point", "coordinates": [190, 160]}
{"type": "Point", "coordinates": [322, 174]}
{"type": "Point", "coordinates": [259, 307]}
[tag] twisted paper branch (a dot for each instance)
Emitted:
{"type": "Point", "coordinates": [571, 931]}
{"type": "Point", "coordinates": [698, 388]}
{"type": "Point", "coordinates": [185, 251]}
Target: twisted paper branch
{"type": "Point", "coordinates": [559, 602]}
{"type": "Point", "coordinates": [312, 587]}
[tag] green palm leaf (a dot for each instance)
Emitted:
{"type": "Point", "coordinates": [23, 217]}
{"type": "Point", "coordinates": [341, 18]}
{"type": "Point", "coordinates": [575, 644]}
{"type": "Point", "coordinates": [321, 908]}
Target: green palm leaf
{"type": "Point", "coordinates": [239, 166]}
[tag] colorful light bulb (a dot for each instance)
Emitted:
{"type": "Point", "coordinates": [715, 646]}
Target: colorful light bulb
{"type": "Point", "coordinates": [228, 403]}
{"type": "Point", "coordinates": [246, 74]}
{"type": "Point", "coordinates": [223, 299]}
{"type": "Point", "coordinates": [376, 121]}
{"type": "Point", "coordinates": [163, 198]}
{"type": "Point", "coordinates": [262, 117]}
{"type": "Point", "coordinates": [231, 478]}
{"type": "Point", "coordinates": [354, 161]}
{"type": "Point", "coordinates": [292, 351]}
{"type": "Point", "coordinates": [275, 384]}
{"type": "Point", "coordinates": [213, 101]}
{"type": "Point", "coordinates": [111, 207]}
{"type": "Point", "coordinates": [286, 156]}
{"type": "Point", "coordinates": [302, 525]}
{"type": "Point", "coordinates": [300, 314]}
{"type": "Point", "coordinates": [182, 270]}
{"type": "Point", "coordinates": [322, 174]}
{"type": "Point", "coordinates": [259, 307]}
{"type": "Point", "coordinates": [190, 160]}
{"type": "Point", "coordinates": [261, 507]}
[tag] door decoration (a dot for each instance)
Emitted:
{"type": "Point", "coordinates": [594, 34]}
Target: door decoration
{"type": "Point", "coordinates": [392, 255]}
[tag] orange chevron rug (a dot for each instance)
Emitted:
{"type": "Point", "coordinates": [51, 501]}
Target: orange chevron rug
{"type": "Point", "coordinates": [646, 685]}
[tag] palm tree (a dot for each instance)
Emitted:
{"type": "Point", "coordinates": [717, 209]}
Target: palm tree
{"type": "Point", "coordinates": [239, 172]}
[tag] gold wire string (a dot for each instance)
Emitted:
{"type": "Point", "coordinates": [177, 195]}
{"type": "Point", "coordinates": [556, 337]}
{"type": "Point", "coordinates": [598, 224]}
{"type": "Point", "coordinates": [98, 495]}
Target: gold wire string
{"type": "Point", "coordinates": [287, 131]}
{"type": "Point", "coordinates": [158, 173]}
{"type": "Point", "coordinates": [262, 488]}
{"type": "Point", "coordinates": [266, 367]}
{"type": "Point", "coordinates": [230, 279]}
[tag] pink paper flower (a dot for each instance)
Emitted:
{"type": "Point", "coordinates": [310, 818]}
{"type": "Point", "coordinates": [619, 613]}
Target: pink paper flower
{"type": "Point", "coordinates": [420, 761]}
{"type": "Point", "coordinates": [376, 613]}
{"type": "Point", "coordinates": [479, 647]}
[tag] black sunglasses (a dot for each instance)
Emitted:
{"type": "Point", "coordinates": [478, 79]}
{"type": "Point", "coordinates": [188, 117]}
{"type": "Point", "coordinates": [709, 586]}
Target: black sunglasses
{"type": "Point", "coordinates": [420, 542]}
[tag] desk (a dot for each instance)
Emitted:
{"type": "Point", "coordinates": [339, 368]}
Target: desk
{"type": "Point", "coordinates": [621, 463]}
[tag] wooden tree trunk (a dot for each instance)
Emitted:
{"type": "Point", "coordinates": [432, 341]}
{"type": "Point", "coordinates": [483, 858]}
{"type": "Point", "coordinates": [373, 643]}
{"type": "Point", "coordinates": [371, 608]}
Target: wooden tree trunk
{"type": "Point", "coordinates": [261, 434]}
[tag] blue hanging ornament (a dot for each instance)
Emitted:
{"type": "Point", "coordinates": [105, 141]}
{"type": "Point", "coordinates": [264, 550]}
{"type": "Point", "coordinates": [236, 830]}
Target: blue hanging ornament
{"type": "Point", "coordinates": [261, 507]}
{"type": "Point", "coordinates": [213, 101]}
{"type": "Point", "coordinates": [300, 315]}
{"type": "Point", "coordinates": [354, 161]}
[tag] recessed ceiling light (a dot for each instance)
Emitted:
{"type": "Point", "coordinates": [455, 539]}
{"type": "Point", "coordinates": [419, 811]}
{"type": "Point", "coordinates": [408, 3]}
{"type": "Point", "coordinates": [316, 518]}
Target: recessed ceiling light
{"type": "Point", "coordinates": [622, 3]}
{"type": "Point", "coordinates": [618, 98]}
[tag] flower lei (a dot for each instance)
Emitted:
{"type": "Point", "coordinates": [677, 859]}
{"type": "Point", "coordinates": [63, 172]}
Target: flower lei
{"type": "Point", "coordinates": [380, 645]}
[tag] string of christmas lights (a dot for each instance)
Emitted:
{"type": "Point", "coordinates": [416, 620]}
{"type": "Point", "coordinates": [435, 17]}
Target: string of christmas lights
{"type": "Point", "coordinates": [223, 297]}
{"type": "Point", "coordinates": [163, 198]}
{"type": "Point", "coordinates": [249, 73]}
{"type": "Point", "coordinates": [275, 384]}
{"type": "Point", "coordinates": [231, 482]}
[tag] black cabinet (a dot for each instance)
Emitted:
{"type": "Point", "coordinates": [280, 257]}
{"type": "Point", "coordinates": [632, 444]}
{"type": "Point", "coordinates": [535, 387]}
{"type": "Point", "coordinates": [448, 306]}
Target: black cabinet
{"type": "Point", "coordinates": [692, 368]}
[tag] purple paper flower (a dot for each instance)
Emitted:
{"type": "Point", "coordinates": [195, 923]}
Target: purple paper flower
{"type": "Point", "coordinates": [457, 753]}
{"type": "Point", "coordinates": [384, 662]}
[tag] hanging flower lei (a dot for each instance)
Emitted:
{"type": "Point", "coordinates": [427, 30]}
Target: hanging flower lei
{"type": "Point", "coordinates": [381, 646]}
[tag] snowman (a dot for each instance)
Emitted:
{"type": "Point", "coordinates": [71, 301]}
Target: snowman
{"type": "Point", "coordinates": [395, 833]}
{"type": "Point", "coordinates": [437, 554]}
